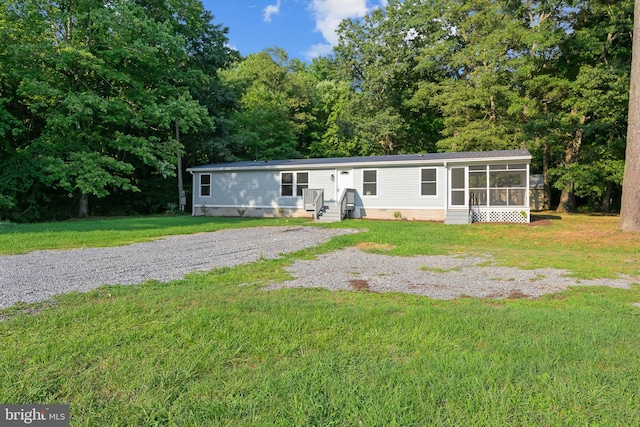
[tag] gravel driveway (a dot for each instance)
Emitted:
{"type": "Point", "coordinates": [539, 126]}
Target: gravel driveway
{"type": "Point", "coordinates": [39, 275]}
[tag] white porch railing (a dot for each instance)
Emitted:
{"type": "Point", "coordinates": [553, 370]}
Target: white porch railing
{"type": "Point", "coordinates": [483, 213]}
{"type": "Point", "coordinates": [313, 201]}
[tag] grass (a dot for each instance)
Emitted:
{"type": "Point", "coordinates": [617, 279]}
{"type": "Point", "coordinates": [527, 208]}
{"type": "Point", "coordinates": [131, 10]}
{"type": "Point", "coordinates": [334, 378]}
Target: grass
{"type": "Point", "coordinates": [204, 351]}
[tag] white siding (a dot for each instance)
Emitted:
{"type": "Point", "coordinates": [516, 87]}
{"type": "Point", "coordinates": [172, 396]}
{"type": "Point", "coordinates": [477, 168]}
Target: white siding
{"type": "Point", "coordinates": [256, 189]}
{"type": "Point", "coordinates": [399, 188]}
{"type": "Point", "coordinates": [321, 179]}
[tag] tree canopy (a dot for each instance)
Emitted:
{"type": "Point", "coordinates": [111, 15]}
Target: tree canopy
{"type": "Point", "coordinates": [90, 93]}
{"type": "Point", "coordinates": [90, 90]}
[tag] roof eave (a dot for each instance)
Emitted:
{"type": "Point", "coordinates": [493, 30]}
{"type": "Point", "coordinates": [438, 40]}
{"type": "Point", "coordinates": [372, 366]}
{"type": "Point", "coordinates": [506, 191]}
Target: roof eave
{"type": "Point", "coordinates": [432, 162]}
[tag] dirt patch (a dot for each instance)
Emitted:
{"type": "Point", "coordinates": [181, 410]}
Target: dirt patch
{"type": "Point", "coordinates": [368, 246]}
{"type": "Point", "coordinates": [23, 308]}
{"type": "Point", "coordinates": [360, 285]}
{"type": "Point", "coordinates": [517, 295]}
{"type": "Point", "coordinates": [541, 223]}
{"type": "Point", "coordinates": [514, 294]}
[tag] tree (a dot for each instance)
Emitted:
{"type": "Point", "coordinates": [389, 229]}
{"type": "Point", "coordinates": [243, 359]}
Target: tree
{"type": "Point", "coordinates": [275, 106]}
{"type": "Point", "coordinates": [630, 212]}
{"type": "Point", "coordinates": [590, 112]}
{"type": "Point", "coordinates": [481, 47]}
{"type": "Point", "coordinates": [92, 109]}
{"type": "Point", "coordinates": [377, 56]}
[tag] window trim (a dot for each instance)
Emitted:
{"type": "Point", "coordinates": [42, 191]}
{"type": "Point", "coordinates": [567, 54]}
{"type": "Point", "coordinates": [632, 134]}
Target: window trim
{"type": "Point", "coordinates": [420, 181]}
{"type": "Point", "coordinates": [376, 183]}
{"type": "Point", "coordinates": [201, 185]}
{"type": "Point", "coordinates": [294, 182]}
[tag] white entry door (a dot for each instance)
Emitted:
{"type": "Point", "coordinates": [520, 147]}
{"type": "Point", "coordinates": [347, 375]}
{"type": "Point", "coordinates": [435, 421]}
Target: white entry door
{"type": "Point", "coordinates": [344, 180]}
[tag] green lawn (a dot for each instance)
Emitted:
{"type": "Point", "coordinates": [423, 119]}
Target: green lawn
{"type": "Point", "coordinates": [205, 351]}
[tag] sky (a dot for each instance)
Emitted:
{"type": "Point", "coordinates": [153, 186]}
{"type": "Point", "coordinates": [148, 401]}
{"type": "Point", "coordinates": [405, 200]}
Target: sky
{"type": "Point", "coordinates": [305, 29]}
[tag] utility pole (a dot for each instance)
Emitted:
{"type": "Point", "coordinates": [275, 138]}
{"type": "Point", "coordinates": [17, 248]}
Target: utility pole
{"type": "Point", "coordinates": [181, 194]}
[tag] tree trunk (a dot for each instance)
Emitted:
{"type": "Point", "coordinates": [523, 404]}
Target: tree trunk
{"type": "Point", "coordinates": [182, 200]}
{"type": "Point", "coordinates": [83, 207]}
{"type": "Point", "coordinates": [606, 200]}
{"type": "Point", "coordinates": [546, 204]}
{"type": "Point", "coordinates": [567, 198]}
{"type": "Point", "coordinates": [630, 210]}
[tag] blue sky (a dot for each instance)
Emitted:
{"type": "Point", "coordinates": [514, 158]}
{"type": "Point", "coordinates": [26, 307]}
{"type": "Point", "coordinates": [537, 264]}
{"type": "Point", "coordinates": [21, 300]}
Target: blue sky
{"type": "Point", "coordinates": [304, 28]}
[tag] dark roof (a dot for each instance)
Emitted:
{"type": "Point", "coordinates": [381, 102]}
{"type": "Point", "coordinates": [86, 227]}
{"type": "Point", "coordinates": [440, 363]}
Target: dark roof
{"type": "Point", "coordinates": [417, 158]}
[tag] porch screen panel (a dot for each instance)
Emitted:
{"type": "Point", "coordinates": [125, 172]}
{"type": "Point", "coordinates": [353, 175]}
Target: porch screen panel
{"type": "Point", "coordinates": [507, 185]}
{"type": "Point", "coordinates": [458, 187]}
{"type": "Point", "coordinates": [478, 185]}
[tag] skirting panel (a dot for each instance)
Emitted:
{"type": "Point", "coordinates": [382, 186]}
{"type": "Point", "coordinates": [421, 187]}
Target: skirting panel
{"type": "Point", "coordinates": [500, 216]}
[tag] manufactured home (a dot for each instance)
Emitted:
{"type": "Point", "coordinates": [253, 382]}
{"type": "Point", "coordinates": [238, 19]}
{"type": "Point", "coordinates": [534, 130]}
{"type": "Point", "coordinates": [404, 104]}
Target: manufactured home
{"type": "Point", "coordinates": [465, 187]}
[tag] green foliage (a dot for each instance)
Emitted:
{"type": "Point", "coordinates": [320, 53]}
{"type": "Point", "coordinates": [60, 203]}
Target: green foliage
{"type": "Point", "coordinates": [90, 94]}
{"type": "Point", "coordinates": [102, 90]}
{"type": "Point", "coordinates": [276, 100]}
{"type": "Point", "coordinates": [377, 56]}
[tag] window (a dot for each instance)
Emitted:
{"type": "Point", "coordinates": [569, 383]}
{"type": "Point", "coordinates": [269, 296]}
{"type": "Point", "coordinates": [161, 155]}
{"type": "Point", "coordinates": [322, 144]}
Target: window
{"type": "Point", "coordinates": [507, 185]}
{"type": "Point", "coordinates": [370, 182]}
{"type": "Point", "coordinates": [293, 183]}
{"type": "Point", "coordinates": [205, 185]}
{"type": "Point", "coordinates": [302, 181]}
{"type": "Point", "coordinates": [287, 184]}
{"type": "Point", "coordinates": [428, 182]}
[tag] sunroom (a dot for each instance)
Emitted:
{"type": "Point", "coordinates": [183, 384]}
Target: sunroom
{"type": "Point", "coordinates": [491, 192]}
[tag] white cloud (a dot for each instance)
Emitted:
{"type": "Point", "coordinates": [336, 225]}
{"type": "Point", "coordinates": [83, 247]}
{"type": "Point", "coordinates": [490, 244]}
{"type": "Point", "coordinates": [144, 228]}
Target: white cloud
{"type": "Point", "coordinates": [272, 9]}
{"type": "Point", "coordinates": [317, 50]}
{"type": "Point", "coordinates": [329, 13]}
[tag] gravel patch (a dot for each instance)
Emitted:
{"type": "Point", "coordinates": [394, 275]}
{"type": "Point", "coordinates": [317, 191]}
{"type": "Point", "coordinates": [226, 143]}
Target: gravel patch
{"type": "Point", "coordinates": [38, 275]}
{"type": "Point", "coordinates": [439, 277]}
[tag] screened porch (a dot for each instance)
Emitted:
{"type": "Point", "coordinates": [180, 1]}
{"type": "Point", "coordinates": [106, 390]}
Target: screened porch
{"type": "Point", "coordinates": [491, 192]}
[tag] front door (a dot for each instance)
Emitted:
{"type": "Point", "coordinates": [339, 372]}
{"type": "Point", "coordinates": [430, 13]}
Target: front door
{"type": "Point", "coordinates": [458, 187]}
{"type": "Point", "coordinates": [344, 180]}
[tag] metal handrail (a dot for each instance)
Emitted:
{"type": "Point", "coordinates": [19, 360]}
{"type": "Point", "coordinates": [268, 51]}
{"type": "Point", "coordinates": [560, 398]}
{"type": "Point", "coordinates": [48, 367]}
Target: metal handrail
{"type": "Point", "coordinates": [318, 203]}
{"type": "Point", "coordinates": [473, 201]}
